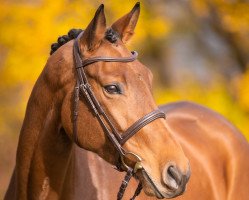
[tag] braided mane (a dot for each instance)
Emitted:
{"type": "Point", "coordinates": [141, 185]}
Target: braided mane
{"type": "Point", "coordinates": [72, 34]}
{"type": "Point", "coordinates": [110, 35]}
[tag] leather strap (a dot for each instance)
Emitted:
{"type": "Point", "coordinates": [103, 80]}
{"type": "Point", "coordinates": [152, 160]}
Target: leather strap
{"type": "Point", "coordinates": [75, 113]}
{"type": "Point", "coordinates": [89, 61]}
{"type": "Point", "coordinates": [124, 184]}
{"type": "Point", "coordinates": [138, 191]}
{"type": "Point", "coordinates": [132, 130]}
{"type": "Point", "coordinates": [83, 87]}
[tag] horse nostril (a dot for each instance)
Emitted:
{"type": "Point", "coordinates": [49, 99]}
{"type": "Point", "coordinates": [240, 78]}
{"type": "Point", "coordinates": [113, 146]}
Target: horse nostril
{"type": "Point", "coordinates": [173, 178]}
{"type": "Point", "coordinates": [175, 174]}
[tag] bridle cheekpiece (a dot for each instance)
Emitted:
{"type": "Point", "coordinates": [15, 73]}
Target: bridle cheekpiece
{"type": "Point", "coordinates": [83, 87]}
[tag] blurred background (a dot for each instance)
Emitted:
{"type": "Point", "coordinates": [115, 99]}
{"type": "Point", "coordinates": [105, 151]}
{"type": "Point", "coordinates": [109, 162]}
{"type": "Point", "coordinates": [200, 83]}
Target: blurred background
{"type": "Point", "coordinates": [197, 50]}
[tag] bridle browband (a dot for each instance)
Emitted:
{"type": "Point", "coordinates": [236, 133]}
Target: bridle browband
{"type": "Point", "coordinates": [117, 139]}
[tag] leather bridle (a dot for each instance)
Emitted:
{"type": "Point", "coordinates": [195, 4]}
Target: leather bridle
{"type": "Point", "coordinates": [83, 87]}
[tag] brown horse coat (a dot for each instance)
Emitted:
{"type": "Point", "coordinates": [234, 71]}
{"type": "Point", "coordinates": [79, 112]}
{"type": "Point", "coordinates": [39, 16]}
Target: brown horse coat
{"type": "Point", "coordinates": [218, 156]}
{"type": "Point", "coordinates": [50, 166]}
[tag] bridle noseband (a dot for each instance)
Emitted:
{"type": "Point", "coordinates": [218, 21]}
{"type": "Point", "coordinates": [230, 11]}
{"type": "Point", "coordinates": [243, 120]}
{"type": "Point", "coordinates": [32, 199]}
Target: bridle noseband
{"type": "Point", "coordinates": [111, 132]}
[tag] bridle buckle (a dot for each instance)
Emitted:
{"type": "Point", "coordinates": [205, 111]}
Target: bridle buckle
{"type": "Point", "coordinates": [138, 160]}
{"type": "Point", "coordinates": [138, 166]}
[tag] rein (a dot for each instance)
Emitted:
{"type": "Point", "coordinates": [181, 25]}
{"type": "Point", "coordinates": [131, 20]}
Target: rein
{"type": "Point", "coordinates": [118, 139]}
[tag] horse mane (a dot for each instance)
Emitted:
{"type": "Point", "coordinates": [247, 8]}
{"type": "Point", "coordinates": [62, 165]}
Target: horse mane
{"type": "Point", "coordinates": [72, 34]}
{"type": "Point", "coordinates": [111, 35]}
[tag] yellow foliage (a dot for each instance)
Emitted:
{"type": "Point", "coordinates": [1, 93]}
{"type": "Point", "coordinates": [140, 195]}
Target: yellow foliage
{"type": "Point", "coordinates": [28, 28]}
{"type": "Point", "coordinates": [29, 32]}
{"type": "Point", "coordinates": [233, 16]}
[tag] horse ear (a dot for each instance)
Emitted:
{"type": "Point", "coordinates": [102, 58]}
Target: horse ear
{"type": "Point", "coordinates": [95, 31]}
{"type": "Point", "coordinates": [125, 25]}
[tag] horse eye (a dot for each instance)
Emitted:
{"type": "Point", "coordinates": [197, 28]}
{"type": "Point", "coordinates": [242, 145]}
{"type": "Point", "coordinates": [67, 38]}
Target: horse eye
{"type": "Point", "coordinates": [113, 89]}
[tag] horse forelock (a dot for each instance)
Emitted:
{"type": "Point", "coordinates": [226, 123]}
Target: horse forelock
{"type": "Point", "coordinates": [111, 35]}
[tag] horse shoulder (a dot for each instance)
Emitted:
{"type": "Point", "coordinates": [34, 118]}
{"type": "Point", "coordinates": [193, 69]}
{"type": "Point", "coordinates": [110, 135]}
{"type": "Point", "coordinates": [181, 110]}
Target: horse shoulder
{"type": "Point", "coordinates": [215, 147]}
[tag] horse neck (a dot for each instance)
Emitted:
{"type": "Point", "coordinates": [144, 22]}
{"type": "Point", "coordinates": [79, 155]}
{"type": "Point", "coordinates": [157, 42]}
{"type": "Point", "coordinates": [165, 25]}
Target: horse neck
{"type": "Point", "coordinates": [44, 150]}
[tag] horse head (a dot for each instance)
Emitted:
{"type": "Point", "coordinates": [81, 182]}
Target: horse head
{"type": "Point", "coordinates": [124, 92]}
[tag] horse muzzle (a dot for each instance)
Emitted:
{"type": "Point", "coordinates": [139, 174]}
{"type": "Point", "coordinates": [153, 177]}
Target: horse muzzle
{"type": "Point", "coordinates": [172, 185]}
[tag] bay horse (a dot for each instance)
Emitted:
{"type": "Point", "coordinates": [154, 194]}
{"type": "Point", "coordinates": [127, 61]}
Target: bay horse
{"type": "Point", "coordinates": [51, 162]}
